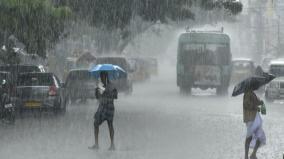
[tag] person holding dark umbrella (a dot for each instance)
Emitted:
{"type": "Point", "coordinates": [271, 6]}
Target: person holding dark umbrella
{"type": "Point", "coordinates": [251, 108]}
{"type": "Point", "coordinates": [251, 105]}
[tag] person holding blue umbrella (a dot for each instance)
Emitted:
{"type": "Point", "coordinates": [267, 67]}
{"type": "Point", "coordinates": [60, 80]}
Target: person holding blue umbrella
{"type": "Point", "coordinates": [114, 71]}
{"type": "Point", "coordinates": [105, 112]}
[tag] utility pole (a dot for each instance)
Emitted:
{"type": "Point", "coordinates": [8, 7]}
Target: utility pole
{"type": "Point", "coordinates": [249, 21]}
{"type": "Point", "coordinates": [259, 33]}
{"type": "Point", "coordinates": [278, 37]}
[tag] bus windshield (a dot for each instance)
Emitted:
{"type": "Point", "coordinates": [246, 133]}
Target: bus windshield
{"type": "Point", "coordinates": [204, 54]}
{"type": "Point", "coordinates": [243, 66]}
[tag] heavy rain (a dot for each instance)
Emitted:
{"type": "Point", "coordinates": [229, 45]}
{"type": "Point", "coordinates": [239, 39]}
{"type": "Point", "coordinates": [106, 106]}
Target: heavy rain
{"type": "Point", "coordinates": [141, 79]}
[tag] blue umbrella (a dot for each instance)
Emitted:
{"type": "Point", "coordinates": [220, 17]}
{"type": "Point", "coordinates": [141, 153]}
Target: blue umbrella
{"type": "Point", "coordinates": [114, 71]}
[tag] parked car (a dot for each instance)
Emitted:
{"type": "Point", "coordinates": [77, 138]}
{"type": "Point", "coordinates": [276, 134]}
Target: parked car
{"type": "Point", "coordinates": [124, 84]}
{"type": "Point", "coordinates": [40, 91]}
{"type": "Point", "coordinates": [69, 64]}
{"type": "Point", "coordinates": [153, 65]}
{"type": "Point", "coordinates": [265, 63]}
{"type": "Point", "coordinates": [80, 84]}
{"type": "Point", "coordinates": [140, 69]}
{"type": "Point", "coordinates": [275, 89]}
{"type": "Point", "coordinates": [15, 70]}
{"type": "Point", "coordinates": [22, 68]}
{"type": "Point", "coordinates": [241, 69]}
{"type": "Point", "coordinates": [276, 67]}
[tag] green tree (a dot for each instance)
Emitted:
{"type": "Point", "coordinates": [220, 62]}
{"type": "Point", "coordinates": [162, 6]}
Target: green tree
{"type": "Point", "coordinates": [36, 23]}
{"type": "Point", "coordinates": [118, 13]}
{"type": "Point", "coordinates": [115, 15]}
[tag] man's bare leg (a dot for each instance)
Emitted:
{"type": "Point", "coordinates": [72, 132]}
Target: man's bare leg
{"type": "Point", "coordinates": [96, 133]}
{"type": "Point", "coordinates": [111, 134]}
{"type": "Point", "coordinates": [253, 155]}
{"type": "Point", "coordinates": [97, 129]}
{"type": "Point", "coordinates": [247, 143]}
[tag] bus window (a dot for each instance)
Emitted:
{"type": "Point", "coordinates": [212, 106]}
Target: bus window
{"type": "Point", "coordinates": [215, 54]}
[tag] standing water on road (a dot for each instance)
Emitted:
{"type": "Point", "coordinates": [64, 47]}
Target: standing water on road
{"type": "Point", "coordinates": [154, 122]}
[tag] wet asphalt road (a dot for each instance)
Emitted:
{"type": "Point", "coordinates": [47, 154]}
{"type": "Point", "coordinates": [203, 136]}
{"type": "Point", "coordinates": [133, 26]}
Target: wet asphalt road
{"type": "Point", "coordinates": [154, 123]}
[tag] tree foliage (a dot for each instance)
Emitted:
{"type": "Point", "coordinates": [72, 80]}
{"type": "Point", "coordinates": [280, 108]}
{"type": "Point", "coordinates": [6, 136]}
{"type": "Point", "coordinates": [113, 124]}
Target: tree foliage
{"type": "Point", "coordinates": [113, 15]}
{"type": "Point", "coordinates": [37, 23]}
{"type": "Point", "coordinates": [118, 13]}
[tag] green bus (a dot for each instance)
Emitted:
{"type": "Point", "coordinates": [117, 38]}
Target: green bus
{"type": "Point", "coordinates": [204, 61]}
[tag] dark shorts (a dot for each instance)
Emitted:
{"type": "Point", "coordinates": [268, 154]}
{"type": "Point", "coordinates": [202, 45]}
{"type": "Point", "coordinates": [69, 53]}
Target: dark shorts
{"type": "Point", "coordinates": [104, 113]}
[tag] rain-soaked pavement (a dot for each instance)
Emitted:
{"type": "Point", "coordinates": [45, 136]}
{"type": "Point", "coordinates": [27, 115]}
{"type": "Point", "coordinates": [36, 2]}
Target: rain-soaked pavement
{"type": "Point", "coordinates": [154, 123]}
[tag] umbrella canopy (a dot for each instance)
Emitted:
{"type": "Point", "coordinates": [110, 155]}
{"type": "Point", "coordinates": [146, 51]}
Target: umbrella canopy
{"type": "Point", "coordinates": [259, 72]}
{"type": "Point", "coordinates": [268, 77]}
{"type": "Point", "coordinates": [252, 83]}
{"type": "Point", "coordinates": [114, 71]}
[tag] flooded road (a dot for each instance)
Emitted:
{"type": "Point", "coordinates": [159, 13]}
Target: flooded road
{"type": "Point", "coordinates": [154, 123]}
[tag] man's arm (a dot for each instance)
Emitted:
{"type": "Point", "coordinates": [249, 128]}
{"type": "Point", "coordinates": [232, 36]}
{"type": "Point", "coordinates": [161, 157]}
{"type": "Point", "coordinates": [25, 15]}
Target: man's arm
{"type": "Point", "coordinates": [98, 93]}
{"type": "Point", "coordinates": [256, 100]}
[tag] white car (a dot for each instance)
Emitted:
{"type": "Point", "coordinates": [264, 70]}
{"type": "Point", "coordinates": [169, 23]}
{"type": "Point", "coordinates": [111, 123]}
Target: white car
{"type": "Point", "coordinates": [276, 67]}
{"type": "Point", "coordinates": [275, 89]}
{"type": "Point", "coordinates": [242, 68]}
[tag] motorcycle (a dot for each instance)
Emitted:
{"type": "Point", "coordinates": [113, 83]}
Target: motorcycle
{"type": "Point", "coordinates": [8, 113]}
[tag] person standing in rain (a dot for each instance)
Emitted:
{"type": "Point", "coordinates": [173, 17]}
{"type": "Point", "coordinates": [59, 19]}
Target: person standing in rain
{"type": "Point", "coordinates": [105, 112]}
{"type": "Point", "coordinates": [251, 105]}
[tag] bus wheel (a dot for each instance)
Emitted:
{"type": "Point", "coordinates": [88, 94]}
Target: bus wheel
{"type": "Point", "coordinates": [221, 90]}
{"type": "Point", "coordinates": [185, 90]}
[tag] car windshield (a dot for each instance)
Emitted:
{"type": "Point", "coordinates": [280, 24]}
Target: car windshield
{"type": "Point", "coordinates": [80, 76]}
{"type": "Point", "coordinates": [4, 76]}
{"type": "Point", "coordinates": [20, 69]}
{"type": "Point", "coordinates": [115, 61]}
{"type": "Point", "coordinates": [277, 70]}
{"type": "Point", "coordinates": [242, 65]}
{"type": "Point", "coordinates": [35, 80]}
{"type": "Point", "coordinates": [216, 54]}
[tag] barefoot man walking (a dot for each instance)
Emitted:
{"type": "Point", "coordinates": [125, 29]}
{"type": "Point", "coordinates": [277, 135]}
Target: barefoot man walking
{"type": "Point", "coordinates": [106, 95]}
{"type": "Point", "coordinates": [250, 111]}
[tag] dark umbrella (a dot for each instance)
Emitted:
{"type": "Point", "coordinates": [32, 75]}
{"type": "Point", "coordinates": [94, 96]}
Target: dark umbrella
{"type": "Point", "coordinates": [252, 83]}
{"type": "Point", "coordinates": [259, 72]}
{"type": "Point", "coordinates": [268, 77]}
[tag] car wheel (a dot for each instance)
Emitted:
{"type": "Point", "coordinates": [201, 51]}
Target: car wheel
{"type": "Point", "coordinates": [60, 107]}
{"type": "Point", "coordinates": [185, 90]}
{"type": "Point", "coordinates": [221, 91]}
{"type": "Point", "coordinates": [64, 107]}
{"type": "Point", "coordinates": [10, 117]}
